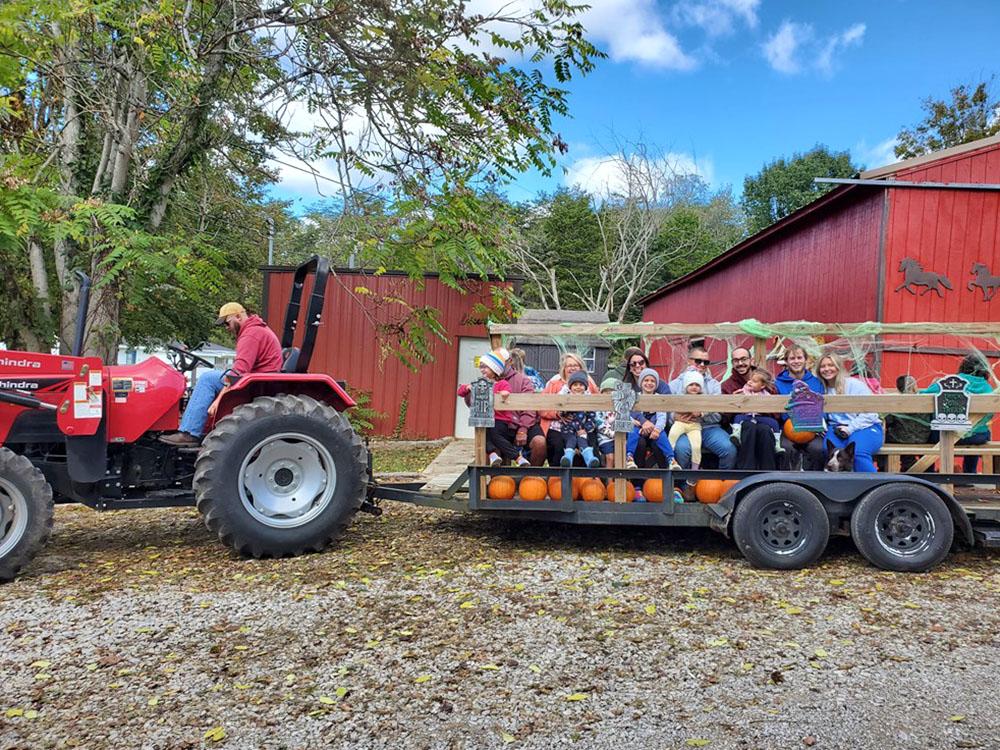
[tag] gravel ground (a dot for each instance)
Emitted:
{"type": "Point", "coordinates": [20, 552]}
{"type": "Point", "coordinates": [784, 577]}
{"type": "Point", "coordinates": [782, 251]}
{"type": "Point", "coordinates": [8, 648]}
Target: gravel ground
{"type": "Point", "coordinates": [430, 629]}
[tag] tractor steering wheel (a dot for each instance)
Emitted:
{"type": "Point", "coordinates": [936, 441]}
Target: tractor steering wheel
{"type": "Point", "coordinates": [188, 360]}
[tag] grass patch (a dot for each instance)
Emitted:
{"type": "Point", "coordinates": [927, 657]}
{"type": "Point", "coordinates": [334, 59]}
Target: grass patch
{"type": "Point", "coordinates": [387, 458]}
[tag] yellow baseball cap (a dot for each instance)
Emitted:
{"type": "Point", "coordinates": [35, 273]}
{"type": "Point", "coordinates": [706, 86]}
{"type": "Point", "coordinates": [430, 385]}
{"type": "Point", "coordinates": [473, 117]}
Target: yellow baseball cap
{"type": "Point", "coordinates": [230, 308]}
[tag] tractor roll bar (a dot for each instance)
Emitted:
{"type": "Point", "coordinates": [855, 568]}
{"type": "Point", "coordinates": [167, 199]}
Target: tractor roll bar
{"type": "Point", "coordinates": [81, 314]}
{"type": "Point", "coordinates": [314, 311]}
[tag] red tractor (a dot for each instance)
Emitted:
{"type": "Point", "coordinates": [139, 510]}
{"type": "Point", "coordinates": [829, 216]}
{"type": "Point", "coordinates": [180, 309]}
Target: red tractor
{"type": "Point", "coordinates": [280, 471]}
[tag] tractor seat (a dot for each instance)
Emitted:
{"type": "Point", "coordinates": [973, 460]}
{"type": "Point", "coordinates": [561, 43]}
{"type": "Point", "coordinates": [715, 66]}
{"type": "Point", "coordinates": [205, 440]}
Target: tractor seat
{"type": "Point", "coordinates": [290, 357]}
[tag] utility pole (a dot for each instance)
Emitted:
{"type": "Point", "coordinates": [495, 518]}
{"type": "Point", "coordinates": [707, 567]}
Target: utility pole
{"type": "Point", "coordinates": [270, 240]}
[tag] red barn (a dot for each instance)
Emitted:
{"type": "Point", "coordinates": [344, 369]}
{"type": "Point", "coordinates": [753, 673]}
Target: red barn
{"type": "Point", "coordinates": [356, 328]}
{"type": "Point", "coordinates": [844, 258]}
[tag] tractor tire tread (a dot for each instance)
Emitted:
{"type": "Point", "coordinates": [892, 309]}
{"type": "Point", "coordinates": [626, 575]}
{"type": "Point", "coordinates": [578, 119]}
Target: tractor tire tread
{"type": "Point", "coordinates": [220, 442]}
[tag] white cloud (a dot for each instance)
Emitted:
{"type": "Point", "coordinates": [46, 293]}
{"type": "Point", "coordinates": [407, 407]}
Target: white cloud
{"type": "Point", "coordinates": [628, 30]}
{"type": "Point", "coordinates": [851, 37]}
{"type": "Point", "coordinates": [602, 175]}
{"type": "Point", "coordinates": [878, 155]}
{"type": "Point", "coordinates": [794, 47]}
{"type": "Point", "coordinates": [716, 17]}
{"type": "Point", "coordinates": [781, 48]}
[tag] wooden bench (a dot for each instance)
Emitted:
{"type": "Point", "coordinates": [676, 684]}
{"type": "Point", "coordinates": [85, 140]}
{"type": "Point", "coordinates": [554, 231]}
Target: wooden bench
{"type": "Point", "coordinates": [929, 454]}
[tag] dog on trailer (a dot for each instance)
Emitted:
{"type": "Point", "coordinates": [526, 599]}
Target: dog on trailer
{"type": "Point", "coordinates": [840, 459]}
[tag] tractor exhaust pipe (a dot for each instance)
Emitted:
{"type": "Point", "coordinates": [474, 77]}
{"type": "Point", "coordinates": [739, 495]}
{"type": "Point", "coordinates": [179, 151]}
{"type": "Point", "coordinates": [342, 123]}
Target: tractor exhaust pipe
{"type": "Point", "coordinates": [81, 315]}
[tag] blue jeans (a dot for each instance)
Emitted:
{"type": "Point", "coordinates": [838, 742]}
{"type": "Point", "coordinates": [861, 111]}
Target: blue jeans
{"type": "Point", "coordinates": [714, 440]}
{"type": "Point", "coordinates": [866, 444]}
{"type": "Point", "coordinates": [208, 386]}
{"type": "Point", "coordinates": [632, 442]}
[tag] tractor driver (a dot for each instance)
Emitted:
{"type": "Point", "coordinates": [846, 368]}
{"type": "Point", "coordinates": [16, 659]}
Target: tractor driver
{"type": "Point", "coordinates": [257, 350]}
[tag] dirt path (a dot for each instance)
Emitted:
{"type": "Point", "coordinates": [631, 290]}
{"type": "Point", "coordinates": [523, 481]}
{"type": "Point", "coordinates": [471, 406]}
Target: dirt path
{"type": "Point", "coordinates": [428, 629]}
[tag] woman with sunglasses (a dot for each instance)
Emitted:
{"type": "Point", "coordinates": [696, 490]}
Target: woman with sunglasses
{"type": "Point", "coordinates": [635, 362]}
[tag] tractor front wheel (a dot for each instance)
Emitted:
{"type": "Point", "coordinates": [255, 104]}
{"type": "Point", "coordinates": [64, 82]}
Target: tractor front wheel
{"type": "Point", "coordinates": [280, 476]}
{"type": "Point", "coordinates": [25, 512]}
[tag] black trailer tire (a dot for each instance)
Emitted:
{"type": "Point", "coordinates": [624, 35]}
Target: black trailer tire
{"type": "Point", "coordinates": [781, 525]}
{"type": "Point", "coordinates": [26, 508]}
{"type": "Point", "coordinates": [280, 476]}
{"type": "Point", "coordinates": [903, 527]}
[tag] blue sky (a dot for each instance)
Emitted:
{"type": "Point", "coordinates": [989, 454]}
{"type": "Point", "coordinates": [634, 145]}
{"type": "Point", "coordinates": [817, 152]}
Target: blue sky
{"type": "Point", "coordinates": [728, 85]}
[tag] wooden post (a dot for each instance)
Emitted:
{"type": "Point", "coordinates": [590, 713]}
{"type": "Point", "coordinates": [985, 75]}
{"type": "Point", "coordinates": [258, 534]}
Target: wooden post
{"type": "Point", "coordinates": [496, 341]}
{"type": "Point", "coordinates": [480, 458]}
{"type": "Point", "coordinates": [620, 438]}
{"type": "Point", "coordinates": [894, 464]}
{"type": "Point", "coordinates": [760, 352]}
{"type": "Point", "coordinates": [948, 440]}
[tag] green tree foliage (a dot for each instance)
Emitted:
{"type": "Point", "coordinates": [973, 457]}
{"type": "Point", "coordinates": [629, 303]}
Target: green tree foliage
{"type": "Point", "coordinates": [972, 113]}
{"type": "Point", "coordinates": [161, 117]}
{"type": "Point", "coordinates": [784, 185]}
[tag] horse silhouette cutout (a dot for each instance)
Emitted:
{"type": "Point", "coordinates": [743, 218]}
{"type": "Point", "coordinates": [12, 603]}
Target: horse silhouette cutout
{"type": "Point", "coordinates": [984, 280]}
{"type": "Point", "coordinates": [915, 275]}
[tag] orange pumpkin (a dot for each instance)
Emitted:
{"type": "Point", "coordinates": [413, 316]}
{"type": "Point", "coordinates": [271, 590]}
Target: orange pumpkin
{"type": "Point", "coordinates": [708, 490]}
{"type": "Point", "coordinates": [652, 490]}
{"type": "Point", "coordinates": [629, 491]}
{"type": "Point", "coordinates": [797, 437]}
{"type": "Point", "coordinates": [727, 483]}
{"type": "Point", "coordinates": [592, 490]}
{"type": "Point", "coordinates": [532, 488]}
{"type": "Point", "coordinates": [555, 488]}
{"type": "Point", "coordinates": [501, 488]}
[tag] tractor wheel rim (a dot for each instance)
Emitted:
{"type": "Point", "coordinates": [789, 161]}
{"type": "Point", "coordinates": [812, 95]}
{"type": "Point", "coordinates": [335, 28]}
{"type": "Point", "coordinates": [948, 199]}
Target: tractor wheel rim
{"type": "Point", "coordinates": [780, 528]}
{"type": "Point", "coordinates": [904, 528]}
{"type": "Point", "coordinates": [13, 517]}
{"type": "Point", "coordinates": [286, 480]}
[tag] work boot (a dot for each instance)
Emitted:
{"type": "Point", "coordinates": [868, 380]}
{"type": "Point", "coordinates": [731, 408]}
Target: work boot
{"type": "Point", "coordinates": [589, 458]}
{"type": "Point", "coordinates": [181, 440]}
{"type": "Point", "coordinates": [567, 459]}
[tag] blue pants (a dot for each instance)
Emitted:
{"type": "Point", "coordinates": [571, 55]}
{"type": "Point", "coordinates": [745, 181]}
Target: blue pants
{"type": "Point", "coordinates": [970, 464]}
{"type": "Point", "coordinates": [714, 440]}
{"type": "Point", "coordinates": [632, 442]}
{"type": "Point", "coordinates": [207, 387]}
{"type": "Point", "coordinates": [866, 444]}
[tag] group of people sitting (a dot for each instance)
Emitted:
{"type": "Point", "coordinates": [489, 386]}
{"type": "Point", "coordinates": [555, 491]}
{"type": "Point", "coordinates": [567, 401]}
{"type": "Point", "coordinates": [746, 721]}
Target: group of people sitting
{"type": "Point", "coordinates": [692, 440]}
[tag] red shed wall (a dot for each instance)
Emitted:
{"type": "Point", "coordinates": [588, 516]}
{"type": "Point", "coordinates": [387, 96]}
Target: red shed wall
{"type": "Point", "coordinates": [348, 348]}
{"type": "Point", "coordinates": [947, 231]}
{"type": "Point", "coordinates": [823, 269]}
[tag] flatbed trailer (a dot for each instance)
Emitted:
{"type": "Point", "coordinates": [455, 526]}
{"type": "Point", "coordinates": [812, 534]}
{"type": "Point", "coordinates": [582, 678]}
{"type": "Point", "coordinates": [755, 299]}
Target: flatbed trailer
{"type": "Point", "coordinates": [778, 519]}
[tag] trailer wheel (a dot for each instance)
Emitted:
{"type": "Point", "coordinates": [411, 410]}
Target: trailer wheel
{"type": "Point", "coordinates": [280, 476]}
{"type": "Point", "coordinates": [902, 527]}
{"type": "Point", "coordinates": [25, 512]}
{"type": "Point", "coordinates": [781, 526]}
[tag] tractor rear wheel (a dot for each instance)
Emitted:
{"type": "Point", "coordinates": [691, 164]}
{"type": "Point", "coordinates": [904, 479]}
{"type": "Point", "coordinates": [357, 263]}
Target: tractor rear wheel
{"type": "Point", "coordinates": [280, 476]}
{"type": "Point", "coordinates": [25, 512]}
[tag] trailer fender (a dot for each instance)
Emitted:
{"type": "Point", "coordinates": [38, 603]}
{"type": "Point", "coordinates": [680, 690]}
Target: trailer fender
{"type": "Point", "coordinates": [844, 488]}
{"type": "Point", "coordinates": [254, 385]}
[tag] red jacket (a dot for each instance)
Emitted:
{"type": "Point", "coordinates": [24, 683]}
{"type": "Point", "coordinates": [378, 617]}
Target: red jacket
{"type": "Point", "coordinates": [257, 348]}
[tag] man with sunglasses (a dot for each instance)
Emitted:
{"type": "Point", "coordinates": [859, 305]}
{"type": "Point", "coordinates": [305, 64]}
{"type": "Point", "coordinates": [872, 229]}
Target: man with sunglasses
{"type": "Point", "coordinates": [714, 439]}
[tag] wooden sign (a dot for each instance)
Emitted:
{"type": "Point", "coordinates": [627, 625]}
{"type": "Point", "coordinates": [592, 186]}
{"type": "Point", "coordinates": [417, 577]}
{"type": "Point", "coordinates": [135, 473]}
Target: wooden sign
{"type": "Point", "coordinates": [481, 412]}
{"type": "Point", "coordinates": [951, 405]}
{"type": "Point", "coordinates": [622, 400]}
{"type": "Point", "coordinates": [805, 408]}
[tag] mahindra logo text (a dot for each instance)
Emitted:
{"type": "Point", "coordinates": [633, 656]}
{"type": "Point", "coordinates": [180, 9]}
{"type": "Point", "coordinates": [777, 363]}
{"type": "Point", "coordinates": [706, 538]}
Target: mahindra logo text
{"type": "Point", "coordinates": [7, 362]}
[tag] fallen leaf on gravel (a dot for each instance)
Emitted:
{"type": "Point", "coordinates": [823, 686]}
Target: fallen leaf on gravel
{"type": "Point", "coordinates": [326, 700]}
{"type": "Point", "coordinates": [747, 666]}
{"type": "Point", "coordinates": [835, 582]}
{"type": "Point", "coordinates": [577, 697]}
{"type": "Point", "coordinates": [423, 678]}
{"type": "Point", "coordinates": [697, 742]}
{"type": "Point", "coordinates": [821, 653]}
{"type": "Point", "coordinates": [719, 642]}
{"type": "Point", "coordinates": [489, 667]}
{"type": "Point", "coordinates": [152, 701]}
{"type": "Point", "coordinates": [341, 692]}
{"type": "Point", "coordinates": [650, 609]}
{"type": "Point", "coordinates": [41, 663]}
{"type": "Point", "coordinates": [215, 734]}
{"type": "Point", "coordinates": [241, 685]}
{"type": "Point", "coordinates": [957, 718]}
{"type": "Point", "coordinates": [911, 605]}
{"type": "Point", "coordinates": [12, 712]}
{"type": "Point", "coordinates": [507, 738]}
{"type": "Point", "coordinates": [535, 668]}
{"type": "Point", "coordinates": [31, 714]}
{"type": "Point", "coordinates": [793, 610]}
{"type": "Point", "coordinates": [467, 605]}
